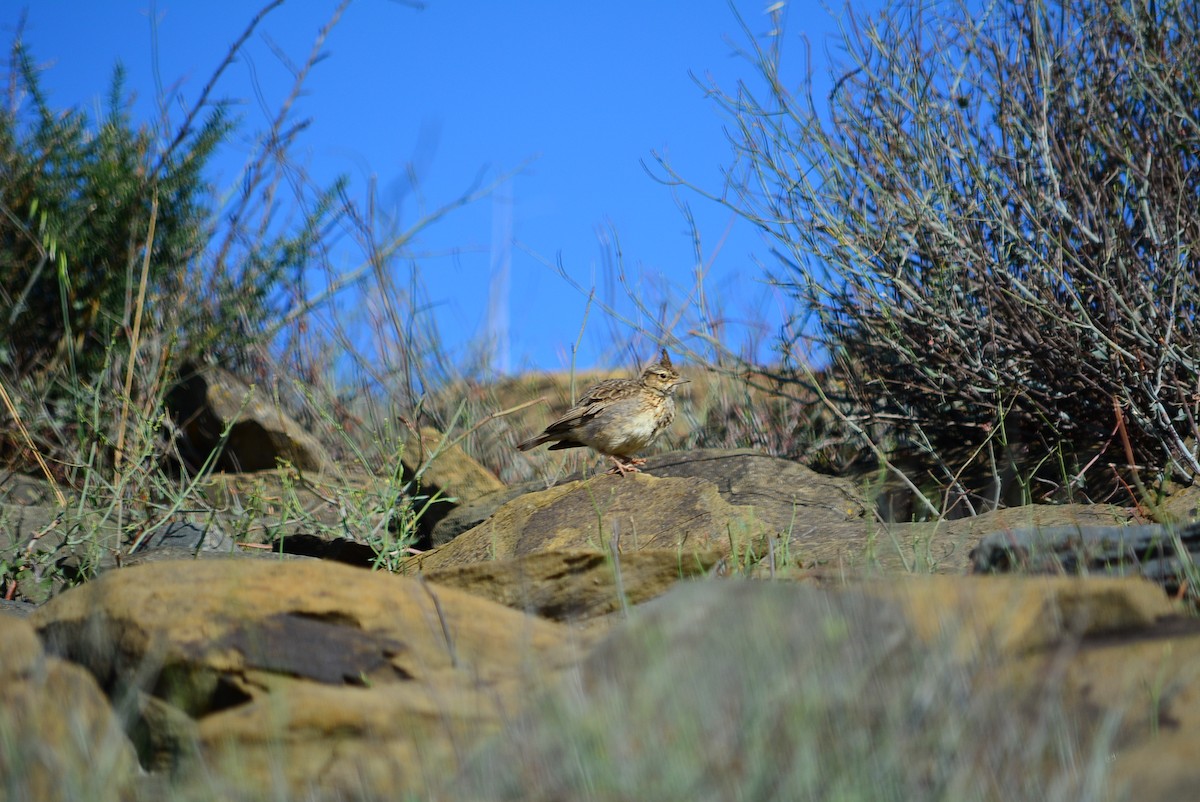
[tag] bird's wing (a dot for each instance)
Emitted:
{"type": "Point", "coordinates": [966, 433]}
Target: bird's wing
{"type": "Point", "coordinates": [593, 402]}
{"type": "Point", "coordinates": [605, 390]}
{"type": "Point", "coordinates": [573, 417]}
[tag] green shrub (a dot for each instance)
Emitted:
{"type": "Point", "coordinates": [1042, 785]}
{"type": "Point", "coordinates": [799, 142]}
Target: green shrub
{"type": "Point", "coordinates": [119, 262]}
{"type": "Point", "coordinates": [76, 200]}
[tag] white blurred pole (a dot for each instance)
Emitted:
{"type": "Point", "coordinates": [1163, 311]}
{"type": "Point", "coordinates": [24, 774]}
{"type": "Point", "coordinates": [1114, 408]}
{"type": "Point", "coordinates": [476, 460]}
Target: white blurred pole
{"type": "Point", "coordinates": [496, 325]}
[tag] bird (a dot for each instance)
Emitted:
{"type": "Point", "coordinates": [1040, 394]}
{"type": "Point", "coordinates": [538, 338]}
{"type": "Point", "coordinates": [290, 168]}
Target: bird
{"type": "Point", "coordinates": [618, 417]}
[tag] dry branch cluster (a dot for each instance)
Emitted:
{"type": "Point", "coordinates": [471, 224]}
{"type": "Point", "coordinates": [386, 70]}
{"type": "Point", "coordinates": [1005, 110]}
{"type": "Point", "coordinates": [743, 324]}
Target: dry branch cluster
{"type": "Point", "coordinates": [995, 218]}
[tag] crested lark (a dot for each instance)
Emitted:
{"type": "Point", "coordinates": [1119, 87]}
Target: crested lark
{"type": "Point", "coordinates": [618, 417]}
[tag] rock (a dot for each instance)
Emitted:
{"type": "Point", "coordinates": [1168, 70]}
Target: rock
{"type": "Point", "coordinates": [1144, 687]}
{"type": "Point", "coordinates": [167, 739]}
{"type": "Point", "coordinates": [574, 584]}
{"type": "Point", "coordinates": [207, 400]}
{"type": "Point", "coordinates": [347, 502]}
{"type": "Point", "coordinates": [187, 536]}
{"type": "Point", "coordinates": [753, 690]}
{"type": "Point", "coordinates": [1182, 506]}
{"type": "Point", "coordinates": [932, 546]}
{"type": "Point", "coordinates": [46, 548]}
{"type": "Point", "coordinates": [307, 674]}
{"type": "Point", "coordinates": [445, 473]}
{"type": "Point", "coordinates": [1013, 616]}
{"type": "Point", "coordinates": [825, 521]}
{"type": "Point", "coordinates": [61, 740]}
{"type": "Point", "coordinates": [22, 653]}
{"type": "Point", "coordinates": [269, 507]}
{"type": "Point", "coordinates": [472, 513]}
{"type": "Point", "coordinates": [686, 516]}
{"type": "Point", "coordinates": [787, 496]}
{"type": "Point", "coordinates": [1150, 550]}
{"type": "Point", "coordinates": [16, 488]}
{"type": "Point", "coordinates": [723, 690]}
{"type": "Point", "coordinates": [18, 609]}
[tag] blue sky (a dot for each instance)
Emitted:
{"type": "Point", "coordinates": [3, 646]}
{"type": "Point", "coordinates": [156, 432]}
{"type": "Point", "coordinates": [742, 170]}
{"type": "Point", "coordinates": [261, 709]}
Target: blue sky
{"type": "Point", "coordinates": [585, 90]}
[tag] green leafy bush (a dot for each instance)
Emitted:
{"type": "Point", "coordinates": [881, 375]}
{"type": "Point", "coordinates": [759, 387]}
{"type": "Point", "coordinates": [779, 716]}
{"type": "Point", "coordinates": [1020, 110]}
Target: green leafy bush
{"type": "Point", "coordinates": [78, 199]}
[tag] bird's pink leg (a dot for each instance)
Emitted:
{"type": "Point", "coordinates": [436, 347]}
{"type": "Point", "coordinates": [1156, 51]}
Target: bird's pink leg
{"type": "Point", "coordinates": [623, 467]}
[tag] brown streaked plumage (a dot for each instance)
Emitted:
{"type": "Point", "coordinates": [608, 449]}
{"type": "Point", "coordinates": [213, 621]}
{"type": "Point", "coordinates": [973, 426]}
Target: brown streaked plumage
{"type": "Point", "coordinates": [618, 417]}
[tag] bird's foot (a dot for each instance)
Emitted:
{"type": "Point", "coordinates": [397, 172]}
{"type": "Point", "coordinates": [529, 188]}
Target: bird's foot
{"type": "Point", "coordinates": [623, 467]}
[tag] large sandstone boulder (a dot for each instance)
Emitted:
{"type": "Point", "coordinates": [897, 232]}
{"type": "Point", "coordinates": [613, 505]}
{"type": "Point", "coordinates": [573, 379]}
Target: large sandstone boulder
{"type": "Point", "coordinates": [636, 512]}
{"type": "Point", "coordinates": [59, 739]}
{"type": "Point", "coordinates": [787, 496]}
{"type": "Point", "coordinates": [302, 675]}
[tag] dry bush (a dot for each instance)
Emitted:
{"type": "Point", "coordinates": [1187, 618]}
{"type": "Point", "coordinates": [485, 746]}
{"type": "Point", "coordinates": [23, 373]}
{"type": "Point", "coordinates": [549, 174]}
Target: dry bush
{"type": "Point", "coordinates": [994, 219]}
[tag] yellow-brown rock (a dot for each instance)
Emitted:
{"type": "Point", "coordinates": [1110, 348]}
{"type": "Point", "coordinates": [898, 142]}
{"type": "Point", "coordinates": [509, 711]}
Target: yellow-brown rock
{"type": "Point", "coordinates": [1013, 615]}
{"type": "Point", "coordinates": [443, 469]}
{"type": "Point", "coordinates": [687, 516]}
{"type": "Point", "coordinates": [59, 739]}
{"type": "Point", "coordinates": [308, 674]}
{"type": "Point", "coordinates": [573, 584]}
{"type": "Point", "coordinates": [209, 401]}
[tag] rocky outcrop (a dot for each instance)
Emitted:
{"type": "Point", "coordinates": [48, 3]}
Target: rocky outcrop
{"type": "Point", "coordinates": [801, 518]}
{"type": "Point", "coordinates": [206, 401]}
{"type": "Point", "coordinates": [635, 512]}
{"type": "Point", "coordinates": [591, 639]}
{"type": "Point", "coordinates": [309, 674]}
{"type": "Point", "coordinates": [246, 678]}
{"type": "Point", "coordinates": [787, 497]}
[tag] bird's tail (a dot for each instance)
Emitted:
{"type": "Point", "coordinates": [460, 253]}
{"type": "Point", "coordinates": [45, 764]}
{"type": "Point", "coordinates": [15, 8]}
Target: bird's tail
{"type": "Point", "coordinates": [533, 442]}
